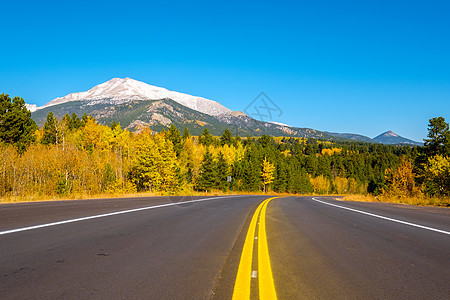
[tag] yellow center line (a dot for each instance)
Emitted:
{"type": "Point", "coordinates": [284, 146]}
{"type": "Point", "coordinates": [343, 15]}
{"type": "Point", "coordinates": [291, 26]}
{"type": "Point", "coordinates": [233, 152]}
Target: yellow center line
{"type": "Point", "coordinates": [243, 277]}
{"type": "Point", "coordinates": [266, 284]}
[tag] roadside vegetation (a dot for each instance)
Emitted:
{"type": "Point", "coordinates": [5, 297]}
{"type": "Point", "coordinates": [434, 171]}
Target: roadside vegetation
{"type": "Point", "coordinates": [78, 158]}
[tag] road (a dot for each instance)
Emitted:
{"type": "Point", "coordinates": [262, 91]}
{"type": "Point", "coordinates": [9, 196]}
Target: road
{"type": "Point", "coordinates": [175, 248]}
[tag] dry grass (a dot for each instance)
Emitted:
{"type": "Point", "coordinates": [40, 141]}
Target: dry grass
{"type": "Point", "coordinates": [418, 200]}
{"type": "Point", "coordinates": [37, 198]}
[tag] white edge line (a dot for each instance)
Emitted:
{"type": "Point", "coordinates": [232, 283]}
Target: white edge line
{"type": "Point", "coordinates": [384, 218]}
{"type": "Point", "coordinates": [107, 215]}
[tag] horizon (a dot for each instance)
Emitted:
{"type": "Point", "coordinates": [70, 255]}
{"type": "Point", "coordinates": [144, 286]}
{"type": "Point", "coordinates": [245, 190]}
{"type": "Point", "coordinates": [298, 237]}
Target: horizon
{"type": "Point", "coordinates": [339, 67]}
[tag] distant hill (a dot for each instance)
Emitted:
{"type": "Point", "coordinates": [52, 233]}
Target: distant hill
{"type": "Point", "coordinates": [390, 137]}
{"type": "Point", "coordinates": [353, 137]}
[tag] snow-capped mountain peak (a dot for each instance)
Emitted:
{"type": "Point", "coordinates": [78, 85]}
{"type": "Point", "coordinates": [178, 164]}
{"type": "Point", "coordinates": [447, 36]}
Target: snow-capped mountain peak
{"type": "Point", "coordinates": [120, 90]}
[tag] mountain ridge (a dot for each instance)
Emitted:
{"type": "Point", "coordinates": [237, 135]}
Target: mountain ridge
{"type": "Point", "coordinates": [121, 90]}
{"type": "Point", "coordinates": [390, 137]}
{"type": "Point", "coordinates": [134, 103]}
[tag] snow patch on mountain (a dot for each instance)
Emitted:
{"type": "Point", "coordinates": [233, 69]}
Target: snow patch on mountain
{"type": "Point", "coordinates": [120, 90]}
{"type": "Point", "coordinates": [31, 107]}
{"type": "Point", "coordinates": [280, 124]}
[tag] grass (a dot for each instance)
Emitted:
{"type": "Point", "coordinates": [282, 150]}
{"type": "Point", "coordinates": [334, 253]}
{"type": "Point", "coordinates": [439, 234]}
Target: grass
{"type": "Point", "coordinates": [418, 200]}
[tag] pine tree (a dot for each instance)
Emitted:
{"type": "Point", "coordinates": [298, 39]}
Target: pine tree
{"type": "Point", "coordinates": [251, 166]}
{"type": "Point", "coordinates": [76, 122]}
{"type": "Point", "coordinates": [208, 172]}
{"type": "Point", "coordinates": [226, 138]}
{"type": "Point", "coordinates": [438, 138]}
{"type": "Point", "coordinates": [205, 138]}
{"type": "Point", "coordinates": [50, 130]}
{"type": "Point", "coordinates": [222, 172]}
{"type": "Point", "coordinates": [186, 134]}
{"type": "Point", "coordinates": [174, 136]}
{"type": "Point", "coordinates": [16, 125]}
{"type": "Point", "coordinates": [280, 182]}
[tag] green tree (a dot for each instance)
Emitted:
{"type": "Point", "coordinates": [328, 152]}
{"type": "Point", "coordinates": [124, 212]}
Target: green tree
{"type": "Point", "coordinates": [226, 138]}
{"type": "Point", "coordinates": [208, 172]}
{"type": "Point", "coordinates": [205, 138]}
{"type": "Point", "coordinates": [16, 125]}
{"type": "Point", "coordinates": [438, 137]}
{"type": "Point", "coordinates": [251, 166]}
{"type": "Point", "coordinates": [280, 182]}
{"type": "Point", "coordinates": [76, 122]}
{"type": "Point", "coordinates": [50, 135]}
{"type": "Point", "coordinates": [186, 134]}
{"type": "Point", "coordinates": [265, 141]}
{"type": "Point", "coordinates": [222, 172]}
{"type": "Point", "coordinates": [174, 136]}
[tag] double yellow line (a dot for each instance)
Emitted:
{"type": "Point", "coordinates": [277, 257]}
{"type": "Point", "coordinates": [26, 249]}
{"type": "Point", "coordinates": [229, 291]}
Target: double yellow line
{"type": "Point", "coordinates": [244, 274]}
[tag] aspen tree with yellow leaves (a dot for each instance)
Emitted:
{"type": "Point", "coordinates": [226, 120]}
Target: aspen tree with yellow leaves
{"type": "Point", "coordinates": [267, 173]}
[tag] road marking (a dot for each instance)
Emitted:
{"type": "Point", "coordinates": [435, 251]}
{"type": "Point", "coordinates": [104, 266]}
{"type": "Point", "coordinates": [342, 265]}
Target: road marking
{"type": "Point", "coordinates": [106, 215]}
{"type": "Point", "coordinates": [243, 277]}
{"type": "Point", "coordinates": [266, 284]}
{"type": "Point", "coordinates": [245, 273]}
{"type": "Point", "coordinates": [254, 274]}
{"type": "Point", "coordinates": [384, 218]}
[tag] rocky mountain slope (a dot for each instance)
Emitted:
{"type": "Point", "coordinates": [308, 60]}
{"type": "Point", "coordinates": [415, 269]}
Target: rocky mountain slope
{"type": "Point", "coordinates": [159, 114]}
{"type": "Point", "coordinates": [134, 103]}
{"type": "Point", "coordinates": [122, 90]}
{"type": "Point", "coordinates": [390, 137]}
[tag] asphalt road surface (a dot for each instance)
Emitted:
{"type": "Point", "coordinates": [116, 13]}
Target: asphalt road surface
{"type": "Point", "coordinates": [181, 248]}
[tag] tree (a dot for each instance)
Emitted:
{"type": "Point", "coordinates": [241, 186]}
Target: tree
{"type": "Point", "coordinates": [208, 172]}
{"type": "Point", "coordinates": [265, 141]}
{"type": "Point", "coordinates": [50, 130]}
{"type": "Point", "coordinates": [186, 134]}
{"type": "Point", "coordinates": [400, 182]}
{"type": "Point", "coordinates": [222, 172]}
{"type": "Point", "coordinates": [174, 136]}
{"type": "Point", "coordinates": [438, 176]}
{"type": "Point", "coordinates": [438, 137]}
{"type": "Point", "coordinates": [226, 138]}
{"type": "Point", "coordinates": [154, 164]}
{"type": "Point", "coordinates": [267, 173]}
{"type": "Point", "coordinates": [76, 122]}
{"type": "Point", "coordinates": [72, 122]}
{"type": "Point", "coordinates": [205, 138]}
{"type": "Point", "coordinates": [16, 125]}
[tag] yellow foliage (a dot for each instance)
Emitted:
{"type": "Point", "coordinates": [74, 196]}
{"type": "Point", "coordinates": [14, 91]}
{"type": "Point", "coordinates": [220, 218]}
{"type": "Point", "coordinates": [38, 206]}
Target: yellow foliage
{"type": "Point", "coordinates": [400, 182]}
{"type": "Point", "coordinates": [331, 151]}
{"type": "Point", "coordinates": [321, 184]}
{"type": "Point", "coordinates": [267, 173]}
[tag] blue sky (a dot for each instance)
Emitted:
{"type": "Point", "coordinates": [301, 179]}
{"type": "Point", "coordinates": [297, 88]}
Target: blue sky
{"type": "Point", "coordinates": [343, 66]}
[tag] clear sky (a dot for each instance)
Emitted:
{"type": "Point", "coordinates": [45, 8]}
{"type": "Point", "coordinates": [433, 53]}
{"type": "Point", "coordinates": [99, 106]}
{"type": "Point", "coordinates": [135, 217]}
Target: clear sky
{"type": "Point", "coordinates": [343, 66]}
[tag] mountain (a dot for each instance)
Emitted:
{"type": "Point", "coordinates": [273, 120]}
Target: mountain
{"type": "Point", "coordinates": [121, 90]}
{"type": "Point", "coordinates": [134, 103]}
{"type": "Point", "coordinates": [390, 137]}
{"type": "Point", "coordinates": [159, 114]}
{"type": "Point", "coordinates": [353, 137]}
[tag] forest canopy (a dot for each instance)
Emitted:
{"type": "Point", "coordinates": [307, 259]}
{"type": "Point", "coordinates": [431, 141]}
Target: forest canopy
{"type": "Point", "coordinates": [75, 156]}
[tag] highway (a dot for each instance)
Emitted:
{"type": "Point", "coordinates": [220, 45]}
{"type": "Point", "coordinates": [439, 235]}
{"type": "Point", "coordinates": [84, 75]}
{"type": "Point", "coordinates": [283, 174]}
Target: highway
{"type": "Point", "coordinates": [229, 247]}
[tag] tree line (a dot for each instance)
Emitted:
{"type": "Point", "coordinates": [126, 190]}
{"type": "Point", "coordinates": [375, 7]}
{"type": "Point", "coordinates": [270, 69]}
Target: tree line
{"type": "Point", "coordinates": [75, 156]}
